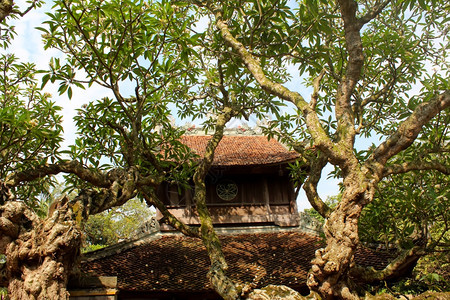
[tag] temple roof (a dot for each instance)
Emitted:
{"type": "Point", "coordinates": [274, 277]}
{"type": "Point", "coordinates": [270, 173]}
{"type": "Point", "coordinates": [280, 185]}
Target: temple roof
{"type": "Point", "coordinates": [242, 150]}
{"type": "Point", "coordinates": [176, 263]}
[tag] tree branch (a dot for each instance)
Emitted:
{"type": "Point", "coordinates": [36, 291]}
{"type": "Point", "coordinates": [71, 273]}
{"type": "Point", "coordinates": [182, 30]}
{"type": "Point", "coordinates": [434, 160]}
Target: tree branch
{"type": "Point", "coordinates": [152, 199]}
{"type": "Point", "coordinates": [415, 166]}
{"type": "Point", "coordinates": [5, 194]}
{"type": "Point", "coordinates": [310, 186]}
{"type": "Point", "coordinates": [316, 85]}
{"type": "Point", "coordinates": [383, 91]}
{"type": "Point", "coordinates": [73, 167]}
{"type": "Point", "coordinates": [320, 137]}
{"type": "Point", "coordinates": [396, 268]}
{"type": "Point", "coordinates": [374, 12]}
{"type": "Point", "coordinates": [410, 128]}
{"type": "Point", "coordinates": [222, 284]}
{"type": "Point", "coordinates": [122, 189]}
{"type": "Point", "coordinates": [29, 8]}
{"type": "Point", "coordinates": [6, 8]}
{"type": "Point", "coordinates": [343, 109]}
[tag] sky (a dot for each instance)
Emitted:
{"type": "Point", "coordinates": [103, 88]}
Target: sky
{"type": "Point", "coordinates": [28, 46]}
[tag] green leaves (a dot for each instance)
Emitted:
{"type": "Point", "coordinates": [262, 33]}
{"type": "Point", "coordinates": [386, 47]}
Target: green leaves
{"type": "Point", "coordinates": [30, 124]}
{"type": "Point", "coordinates": [142, 52]}
{"type": "Point", "coordinates": [116, 42]}
{"type": "Point", "coordinates": [117, 224]}
{"type": "Point", "coordinates": [408, 208]}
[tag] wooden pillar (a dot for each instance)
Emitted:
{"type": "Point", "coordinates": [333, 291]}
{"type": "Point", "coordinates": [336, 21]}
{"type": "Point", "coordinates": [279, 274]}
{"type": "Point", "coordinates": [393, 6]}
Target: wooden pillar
{"type": "Point", "coordinates": [266, 195]}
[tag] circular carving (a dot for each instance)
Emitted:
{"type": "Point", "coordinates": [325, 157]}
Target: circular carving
{"type": "Point", "coordinates": [227, 189]}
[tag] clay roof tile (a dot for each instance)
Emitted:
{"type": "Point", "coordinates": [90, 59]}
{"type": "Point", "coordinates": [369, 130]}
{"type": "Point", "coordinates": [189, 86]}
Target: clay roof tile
{"type": "Point", "coordinates": [178, 263]}
{"type": "Point", "coordinates": [242, 150]}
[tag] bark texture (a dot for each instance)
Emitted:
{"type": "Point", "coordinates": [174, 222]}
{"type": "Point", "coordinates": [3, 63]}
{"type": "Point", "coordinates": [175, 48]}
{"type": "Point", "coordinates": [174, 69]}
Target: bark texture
{"type": "Point", "coordinates": [6, 7]}
{"type": "Point", "coordinates": [279, 292]}
{"type": "Point", "coordinates": [331, 265]}
{"type": "Point", "coordinates": [39, 253]}
{"type": "Point", "coordinates": [42, 254]}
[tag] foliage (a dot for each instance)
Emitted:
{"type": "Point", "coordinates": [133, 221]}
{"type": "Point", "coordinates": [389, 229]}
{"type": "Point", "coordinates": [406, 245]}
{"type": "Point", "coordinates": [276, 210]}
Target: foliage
{"type": "Point", "coordinates": [116, 224]}
{"type": "Point", "coordinates": [434, 271]}
{"type": "Point", "coordinates": [430, 275]}
{"type": "Point", "coordinates": [412, 206]}
{"type": "Point", "coordinates": [331, 201]}
{"type": "Point", "coordinates": [106, 228]}
{"type": "Point", "coordinates": [409, 208]}
{"type": "Point", "coordinates": [118, 45]}
{"type": "Point", "coordinates": [153, 47]}
{"type": "Point", "coordinates": [30, 125]}
{"type": "Point", "coordinates": [360, 59]}
{"type": "Point", "coordinates": [10, 10]}
{"type": "Point", "coordinates": [412, 286]}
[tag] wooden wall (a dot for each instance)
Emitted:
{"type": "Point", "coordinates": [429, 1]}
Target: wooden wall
{"type": "Point", "coordinates": [252, 190]}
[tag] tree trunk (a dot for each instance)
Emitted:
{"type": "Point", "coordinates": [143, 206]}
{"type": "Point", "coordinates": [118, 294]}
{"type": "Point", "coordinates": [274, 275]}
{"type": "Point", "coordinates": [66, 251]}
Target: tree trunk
{"type": "Point", "coordinates": [40, 254]}
{"type": "Point", "coordinates": [329, 275]}
{"type": "Point", "coordinates": [279, 292]}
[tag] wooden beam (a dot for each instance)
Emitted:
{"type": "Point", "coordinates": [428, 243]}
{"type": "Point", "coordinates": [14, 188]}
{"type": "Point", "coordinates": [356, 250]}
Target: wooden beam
{"type": "Point", "coordinates": [93, 282]}
{"type": "Point", "coordinates": [97, 292]}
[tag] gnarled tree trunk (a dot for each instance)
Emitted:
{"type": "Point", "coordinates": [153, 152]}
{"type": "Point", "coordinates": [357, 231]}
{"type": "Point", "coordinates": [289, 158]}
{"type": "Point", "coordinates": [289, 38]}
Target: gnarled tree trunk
{"type": "Point", "coordinates": [331, 264]}
{"type": "Point", "coordinates": [329, 274]}
{"type": "Point", "coordinates": [40, 254]}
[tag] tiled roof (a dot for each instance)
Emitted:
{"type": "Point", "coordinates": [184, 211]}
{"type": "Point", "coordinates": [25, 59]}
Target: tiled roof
{"type": "Point", "coordinates": [177, 263]}
{"type": "Point", "coordinates": [235, 150]}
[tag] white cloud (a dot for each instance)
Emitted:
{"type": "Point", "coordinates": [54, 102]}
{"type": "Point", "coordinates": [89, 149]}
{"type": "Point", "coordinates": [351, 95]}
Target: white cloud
{"type": "Point", "coordinates": [28, 45]}
{"type": "Point", "coordinates": [202, 24]}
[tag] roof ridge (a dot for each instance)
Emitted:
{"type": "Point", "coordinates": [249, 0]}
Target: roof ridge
{"type": "Point", "coordinates": [121, 246]}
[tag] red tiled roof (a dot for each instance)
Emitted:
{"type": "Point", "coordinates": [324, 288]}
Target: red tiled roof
{"type": "Point", "coordinates": [177, 263]}
{"type": "Point", "coordinates": [242, 150]}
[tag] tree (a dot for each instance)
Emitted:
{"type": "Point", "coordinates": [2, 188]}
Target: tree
{"type": "Point", "coordinates": [127, 145]}
{"type": "Point", "coordinates": [40, 254]}
{"type": "Point", "coordinates": [361, 58]}
{"type": "Point", "coordinates": [165, 67]}
{"type": "Point", "coordinates": [30, 133]}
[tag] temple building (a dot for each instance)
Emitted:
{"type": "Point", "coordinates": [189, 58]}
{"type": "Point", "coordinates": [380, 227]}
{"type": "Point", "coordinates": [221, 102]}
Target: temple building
{"type": "Point", "coordinates": [248, 183]}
